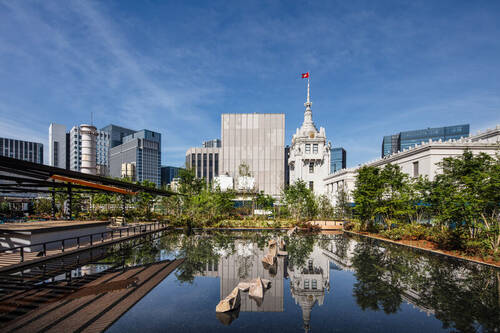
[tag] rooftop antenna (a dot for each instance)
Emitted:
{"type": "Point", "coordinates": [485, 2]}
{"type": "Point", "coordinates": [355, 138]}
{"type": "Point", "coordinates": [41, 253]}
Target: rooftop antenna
{"type": "Point", "coordinates": [91, 118]}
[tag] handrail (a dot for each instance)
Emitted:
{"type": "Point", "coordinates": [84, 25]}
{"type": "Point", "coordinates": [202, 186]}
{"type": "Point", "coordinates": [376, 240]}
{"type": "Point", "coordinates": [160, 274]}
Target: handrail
{"type": "Point", "coordinates": [141, 227]}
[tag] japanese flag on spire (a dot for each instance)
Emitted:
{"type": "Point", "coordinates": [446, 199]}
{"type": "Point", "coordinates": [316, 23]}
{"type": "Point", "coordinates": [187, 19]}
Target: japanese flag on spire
{"type": "Point", "coordinates": [305, 75]}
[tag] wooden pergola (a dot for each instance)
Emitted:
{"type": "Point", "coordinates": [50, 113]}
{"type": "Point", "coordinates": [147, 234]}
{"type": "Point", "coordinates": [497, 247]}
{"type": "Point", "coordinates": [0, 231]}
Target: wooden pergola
{"type": "Point", "coordinates": [17, 176]}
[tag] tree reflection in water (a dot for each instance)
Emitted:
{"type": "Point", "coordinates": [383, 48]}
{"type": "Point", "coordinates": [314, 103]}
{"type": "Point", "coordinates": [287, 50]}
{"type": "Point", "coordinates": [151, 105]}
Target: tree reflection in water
{"type": "Point", "coordinates": [463, 296]}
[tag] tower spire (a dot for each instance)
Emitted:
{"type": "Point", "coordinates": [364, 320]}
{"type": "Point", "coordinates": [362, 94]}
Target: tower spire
{"type": "Point", "coordinates": [308, 102]}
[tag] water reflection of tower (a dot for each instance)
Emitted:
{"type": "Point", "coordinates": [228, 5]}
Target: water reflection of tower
{"type": "Point", "coordinates": [243, 264]}
{"type": "Point", "coordinates": [310, 282]}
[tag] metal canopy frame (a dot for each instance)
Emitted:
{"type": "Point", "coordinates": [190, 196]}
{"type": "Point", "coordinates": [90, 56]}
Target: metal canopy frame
{"type": "Point", "coordinates": [18, 176]}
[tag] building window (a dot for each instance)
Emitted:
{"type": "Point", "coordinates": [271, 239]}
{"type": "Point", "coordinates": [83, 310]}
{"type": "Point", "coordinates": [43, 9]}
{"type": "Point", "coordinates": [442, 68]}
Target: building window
{"type": "Point", "coordinates": [56, 153]}
{"type": "Point", "coordinates": [216, 165]}
{"type": "Point", "coordinates": [415, 169]}
{"type": "Point", "coordinates": [306, 284]}
{"type": "Point", "coordinates": [308, 148]}
{"type": "Point", "coordinates": [315, 148]}
{"type": "Point", "coordinates": [198, 165]}
{"type": "Point", "coordinates": [210, 167]}
{"type": "Point", "coordinates": [310, 265]}
{"type": "Point", "coordinates": [314, 284]}
{"type": "Point", "coordinates": [311, 186]}
{"type": "Point", "coordinates": [205, 164]}
{"type": "Point", "coordinates": [311, 167]}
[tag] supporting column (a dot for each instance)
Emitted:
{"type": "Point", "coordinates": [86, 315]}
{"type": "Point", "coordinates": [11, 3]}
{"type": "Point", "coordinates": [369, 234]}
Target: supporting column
{"type": "Point", "coordinates": [53, 202]}
{"type": "Point", "coordinates": [123, 208]}
{"type": "Point", "coordinates": [70, 199]}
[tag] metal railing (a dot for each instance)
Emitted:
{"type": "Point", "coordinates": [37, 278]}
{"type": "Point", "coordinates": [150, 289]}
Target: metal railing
{"type": "Point", "coordinates": [93, 239]}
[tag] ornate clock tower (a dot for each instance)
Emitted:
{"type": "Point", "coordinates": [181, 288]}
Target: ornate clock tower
{"type": "Point", "coordinates": [309, 158]}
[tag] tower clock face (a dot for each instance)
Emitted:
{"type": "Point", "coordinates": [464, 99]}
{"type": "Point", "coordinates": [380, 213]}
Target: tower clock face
{"type": "Point", "coordinates": [311, 135]}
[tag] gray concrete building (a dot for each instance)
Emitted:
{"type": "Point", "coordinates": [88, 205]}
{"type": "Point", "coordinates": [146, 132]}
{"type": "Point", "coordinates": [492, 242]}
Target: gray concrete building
{"type": "Point", "coordinates": [259, 141]}
{"type": "Point", "coordinates": [204, 161]}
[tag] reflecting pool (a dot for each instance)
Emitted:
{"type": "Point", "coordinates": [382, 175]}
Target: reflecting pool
{"type": "Point", "coordinates": [319, 282]}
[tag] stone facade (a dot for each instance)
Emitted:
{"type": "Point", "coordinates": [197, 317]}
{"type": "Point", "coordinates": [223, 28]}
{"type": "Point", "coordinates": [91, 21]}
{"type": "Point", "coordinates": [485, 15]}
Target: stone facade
{"type": "Point", "coordinates": [421, 160]}
{"type": "Point", "coordinates": [309, 158]}
{"type": "Point", "coordinates": [257, 140]}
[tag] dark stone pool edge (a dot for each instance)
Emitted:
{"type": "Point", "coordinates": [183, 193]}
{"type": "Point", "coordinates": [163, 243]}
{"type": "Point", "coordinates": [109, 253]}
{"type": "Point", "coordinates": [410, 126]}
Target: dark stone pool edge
{"type": "Point", "coordinates": [423, 249]}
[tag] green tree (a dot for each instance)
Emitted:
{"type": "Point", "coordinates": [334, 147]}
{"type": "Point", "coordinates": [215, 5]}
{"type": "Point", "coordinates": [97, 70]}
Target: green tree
{"type": "Point", "coordinates": [343, 207]}
{"type": "Point", "coordinates": [43, 206]}
{"type": "Point", "coordinates": [300, 201]}
{"type": "Point", "coordinates": [392, 205]}
{"type": "Point", "coordinates": [367, 195]}
{"type": "Point", "coordinates": [466, 196]}
{"type": "Point", "coordinates": [325, 208]}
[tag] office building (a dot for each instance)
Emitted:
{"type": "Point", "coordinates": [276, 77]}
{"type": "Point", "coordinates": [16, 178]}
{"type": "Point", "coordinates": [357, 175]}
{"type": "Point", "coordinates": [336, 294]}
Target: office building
{"type": "Point", "coordinates": [309, 159]}
{"type": "Point", "coordinates": [204, 162]}
{"type": "Point", "coordinates": [22, 150]}
{"type": "Point", "coordinates": [338, 159]}
{"type": "Point", "coordinates": [168, 173]}
{"type": "Point", "coordinates": [116, 134]}
{"type": "Point", "coordinates": [257, 140]}
{"type": "Point", "coordinates": [101, 149]}
{"type": "Point", "coordinates": [420, 160]}
{"type": "Point", "coordinates": [215, 143]}
{"type": "Point", "coordinates": [141, 148]}
{"type": "Point", "coordinates": [398, 142]}
{"type": "Point", "coordinates": [58, 146]}
{"type": "Point", "coordinates": [65, 148]}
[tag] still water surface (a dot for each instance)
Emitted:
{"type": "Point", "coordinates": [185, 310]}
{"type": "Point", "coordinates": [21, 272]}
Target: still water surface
{"type": "Point", "coordinates": [324, 283]}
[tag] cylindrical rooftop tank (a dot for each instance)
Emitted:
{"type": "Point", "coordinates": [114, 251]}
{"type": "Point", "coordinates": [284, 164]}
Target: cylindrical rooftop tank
{"type": "Point", "coordinates": [89, 138]}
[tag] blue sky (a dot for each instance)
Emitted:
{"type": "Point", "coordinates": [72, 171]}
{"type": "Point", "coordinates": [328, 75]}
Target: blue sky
{"type": "Point", "coordinates": [376, 67]}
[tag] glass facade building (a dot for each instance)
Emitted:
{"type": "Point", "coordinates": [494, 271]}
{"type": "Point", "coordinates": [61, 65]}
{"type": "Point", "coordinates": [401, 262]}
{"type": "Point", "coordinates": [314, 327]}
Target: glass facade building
{"type": "Point", "coordinates": [215, 143]}
{"type": "Point", "coordinates": [338, 159]}
{"type": "Point", "coordinates": [142, 149]}
{"type": "Point", "coordinates": [116, 134]}
{"type": "Point", "coordinates": [393, 143]}
{"type": "Point", "coordinates": [22, 150]}
{"type": "Point", "coordinates": [168, 173]}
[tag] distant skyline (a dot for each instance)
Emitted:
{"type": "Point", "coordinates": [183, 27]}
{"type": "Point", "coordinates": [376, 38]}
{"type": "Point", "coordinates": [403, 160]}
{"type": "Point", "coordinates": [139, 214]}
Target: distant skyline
{"type": "Point", "coordinates": [377, 67]}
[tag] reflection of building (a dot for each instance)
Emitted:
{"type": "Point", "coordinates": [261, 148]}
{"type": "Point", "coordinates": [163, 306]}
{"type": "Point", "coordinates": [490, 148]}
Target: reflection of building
{"type": "Point", "coordinates": [309, 283]}
{"type": "Point", "coordinates": [243, 265]}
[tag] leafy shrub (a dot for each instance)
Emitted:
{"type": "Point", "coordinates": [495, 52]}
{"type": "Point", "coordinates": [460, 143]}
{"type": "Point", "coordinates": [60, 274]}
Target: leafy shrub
{"type": "Point", "coordinates": [407, 232]}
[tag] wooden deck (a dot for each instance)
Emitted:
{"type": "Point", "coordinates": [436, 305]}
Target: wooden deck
{"type": "Point", "coordinates": [13, 260]}
{"type": "Point", "coordinates": [328, 225]}
{"type": "Point", "coordinates": [87, 304]}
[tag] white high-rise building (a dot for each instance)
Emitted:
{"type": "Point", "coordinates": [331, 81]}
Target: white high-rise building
{"type": "Point", "coordinates": [57, 145]}
{"type": "Point", "coordinates": [309, 158]}
{"type": "Point", "coordinates": [60, 142]}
